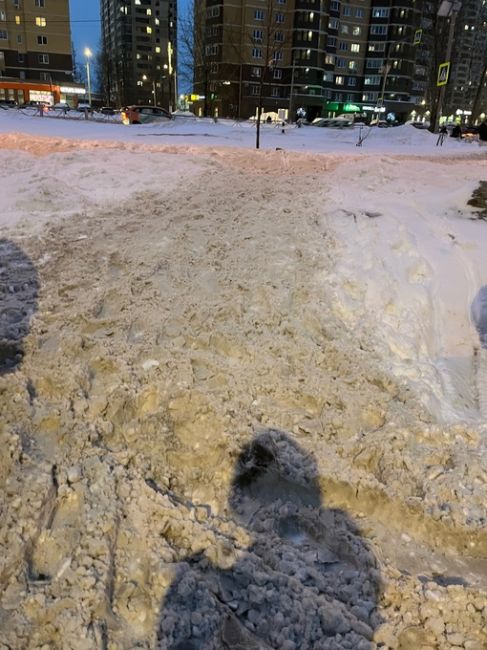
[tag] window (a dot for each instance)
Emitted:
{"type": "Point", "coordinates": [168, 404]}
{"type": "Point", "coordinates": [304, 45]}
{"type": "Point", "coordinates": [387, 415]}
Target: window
{"type": "Point", "coordinates": [277, 73]}
{"type": "Point", "coordinates": [257, 52]}
{"type": "Point", "coordinates": [372, 81]}
{"type": "Point", "coordinates": [333, 23]}
{"type": "Point", "coordinates": [275, 91]}
{"type": "Point", "coordinates": [39, 3]}
{"type": "Point", "coordinates": [334, 5]}
{"type": "Point", "coordinates": [280, 18]}
{"type": "Point", "coordinates": [3, 35]}
{"type": "Point", "coordinates": [330, 59]}
{"type": "Point", "coordinates": [352, 65]}
{"type": "Point", "coordinates": [44, 58]}
{"type": "Point", "coordinates": [380, 12]}
{"type": "Point", "coordinates": [258, 34]}
{"type": "Point", "coordinates": [359, 13]}
{"type": "Point", "coordinates": [352, 81]}
{"type": "Point", "coordinates": [339, 80]}
{"type": "Point", "coordinates": [376, 47]}
{"type": "Point", "coordinates": [19, 38]}
{"type": "Point", "coordinates": [20, 57]}
{"type": "Point", "coordinates": [256, 71]}
{"type": "Point", "coordinates": [17, 20]}
{"type": "Point", "coordinates": [347, 11]}
{"type": "Point", "coordinates": [259, 14]}
{"type": "Point", "coordinates": [279, 37]}
{"type": "Point", "coordinates": [3, 15]}
{"type": "Point", "coordinates": [148, 29]}
{"type": "Point", "coordinates": [344, 29]}
{"type": "Point", "coordinates": [354, 47]}
{"type": "Point", "coordinates": [40, 21]}
{"type": "Point", "coordinates": [374, 63]}
{"type": "Point", "coordinates": [343, 45]}
{"type": "Point", "coordinates": [356, 31]}
{"type": "Point", "coordinates": [42, 40]}
{"type": "Point", "coordinates": [331, 41]}
{"type": "Point", "coordinates": [277, 56]}
{"type": "Point", "coordinates": [340, 63]}
{"type": "Point", "coordinates": [254, 90]}
{"type": "Point", "coordinates": [378, 29]}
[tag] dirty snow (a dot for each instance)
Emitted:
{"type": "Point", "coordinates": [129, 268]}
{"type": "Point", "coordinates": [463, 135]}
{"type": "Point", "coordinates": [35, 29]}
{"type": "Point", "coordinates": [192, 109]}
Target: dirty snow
{"type": "Point", "coordinates": [243, 393]}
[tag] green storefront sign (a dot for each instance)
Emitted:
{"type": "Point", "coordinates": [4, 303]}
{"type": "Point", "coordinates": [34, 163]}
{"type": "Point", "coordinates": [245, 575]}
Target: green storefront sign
{"type": "Point", "coordinates": [342, 108]}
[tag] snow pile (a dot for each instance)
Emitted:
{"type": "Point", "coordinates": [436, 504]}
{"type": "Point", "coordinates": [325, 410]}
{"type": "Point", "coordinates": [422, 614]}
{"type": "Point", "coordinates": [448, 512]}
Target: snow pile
{"type": "Point", "coordinates": [247, 410]}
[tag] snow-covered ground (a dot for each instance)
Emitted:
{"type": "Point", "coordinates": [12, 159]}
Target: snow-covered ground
{"type": "Point", "coordinates": [187, 293]}
{"type": "Point", "coordinates": [227, 133]}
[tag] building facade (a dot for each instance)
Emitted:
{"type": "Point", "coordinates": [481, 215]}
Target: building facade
{"type": "Point", "coordinates": [324, 56]}
{"type": "Point", "coordinates": [467, 90]}
{"type": "Point", "coordinates": [139, 52]}
{"type": "Point", "coordinates": [35, 40]}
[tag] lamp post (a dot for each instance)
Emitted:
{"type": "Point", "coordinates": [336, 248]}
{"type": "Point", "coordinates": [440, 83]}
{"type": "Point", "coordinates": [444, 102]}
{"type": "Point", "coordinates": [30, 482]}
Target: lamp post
{"type": "Point", "coordinates": [448, 9]}
{"type": "Point", "coordinates": [88, 54]}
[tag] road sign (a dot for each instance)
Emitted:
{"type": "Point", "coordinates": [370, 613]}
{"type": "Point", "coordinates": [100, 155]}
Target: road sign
{"type": "Point", "coordinates": [443, 73]}
{"type": "Point", "coordinates": [417, 36]}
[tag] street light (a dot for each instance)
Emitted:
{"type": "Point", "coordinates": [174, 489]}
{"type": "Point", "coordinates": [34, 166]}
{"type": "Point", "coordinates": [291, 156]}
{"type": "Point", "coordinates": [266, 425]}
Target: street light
{"type": "Point", "coordinates": [88, 54]}
{"type": "Point", "coordinates": [448, 9]}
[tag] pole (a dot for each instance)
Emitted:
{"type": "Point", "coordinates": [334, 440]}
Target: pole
{"type": "Point", "coordinates": [154, 92]}
{"type": "Point", "coordinates": [89, 81]}
{"type": "Point", "coordinates": [449, 48]}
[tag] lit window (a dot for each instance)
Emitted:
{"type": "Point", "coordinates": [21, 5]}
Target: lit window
{"type": "Point", "coordinates": [40, 21]}
{"type": "Point", "coordinates": [149, 30]}
{"type": "Point", "coordinates": [17, 20]}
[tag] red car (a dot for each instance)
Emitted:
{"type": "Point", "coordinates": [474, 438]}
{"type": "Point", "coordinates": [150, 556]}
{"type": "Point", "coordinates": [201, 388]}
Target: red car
{"type": "Point", "coordinates": [144, 114]}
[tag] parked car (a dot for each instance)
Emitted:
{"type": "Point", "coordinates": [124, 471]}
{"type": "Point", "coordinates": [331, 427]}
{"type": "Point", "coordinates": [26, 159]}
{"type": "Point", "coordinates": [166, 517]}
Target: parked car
{"type": "Point", "coordinates": [61, 106]}
{"type": "Point", "coordinates": [144, 114]}
{"type": "Point", "coordinates": [107, 110]}
{"type": "Point", "coordinates": [8, 103]}
{"type": "Point", "coordinates": [339, 122]}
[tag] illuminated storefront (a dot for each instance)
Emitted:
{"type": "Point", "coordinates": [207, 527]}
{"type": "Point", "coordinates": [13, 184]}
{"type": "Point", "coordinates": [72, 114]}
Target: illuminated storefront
{"type": "Point", "coordinates": [23, 91]}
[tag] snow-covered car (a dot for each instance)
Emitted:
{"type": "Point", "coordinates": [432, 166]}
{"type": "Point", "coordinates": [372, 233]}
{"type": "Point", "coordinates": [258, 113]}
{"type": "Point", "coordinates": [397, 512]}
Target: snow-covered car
{"type": "Point", "coordinates": [144, 114]}
{"type": "Point", "coordinates": [61, 106]}
{"type": "Point", "coordinates": [340, 121]}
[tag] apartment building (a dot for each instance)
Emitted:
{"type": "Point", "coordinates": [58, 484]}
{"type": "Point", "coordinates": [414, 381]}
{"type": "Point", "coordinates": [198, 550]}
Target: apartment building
{"type": "Point", "coordinates": [140, 57]}
{"type": "Point", "coordinates": [326, 55]}
{"type": "Point", "coordinates": [35, 40]}
{"type": "Point", "coordinates": [469, 60]}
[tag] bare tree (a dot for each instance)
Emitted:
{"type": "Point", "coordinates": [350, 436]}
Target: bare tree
{"type": "Point", "coordinates": [271, 50]}
{"type": "Point", "coordinates": [194, 65]}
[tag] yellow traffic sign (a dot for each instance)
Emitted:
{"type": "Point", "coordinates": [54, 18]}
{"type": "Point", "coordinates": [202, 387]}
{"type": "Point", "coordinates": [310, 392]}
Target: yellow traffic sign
{"type": "Point", "coordinates": [443, 73]}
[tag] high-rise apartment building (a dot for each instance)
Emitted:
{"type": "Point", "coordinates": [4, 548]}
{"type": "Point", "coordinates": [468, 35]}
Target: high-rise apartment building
{"type": "Point", "coordinates": [35, 40]}
{"type": "Point", "coordinates": [140, 59]}
{"type": "Point", "coordinates": [469, 59]}
{"type": "Point", "coordinates": [325, 55]}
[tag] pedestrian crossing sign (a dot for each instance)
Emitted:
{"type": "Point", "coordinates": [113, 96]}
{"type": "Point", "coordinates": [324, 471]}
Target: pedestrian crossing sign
{"type": "Point", "coordinates": [443, 73]}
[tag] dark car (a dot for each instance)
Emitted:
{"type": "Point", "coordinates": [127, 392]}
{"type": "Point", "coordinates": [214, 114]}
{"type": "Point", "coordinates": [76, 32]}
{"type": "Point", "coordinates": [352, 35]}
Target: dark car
{"type": "Point", "coordinates": [8, 103]}
{"type": "Point", "coordinates": [144, 114]}
{"type": "Point", "coordinates": [107, 110]}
